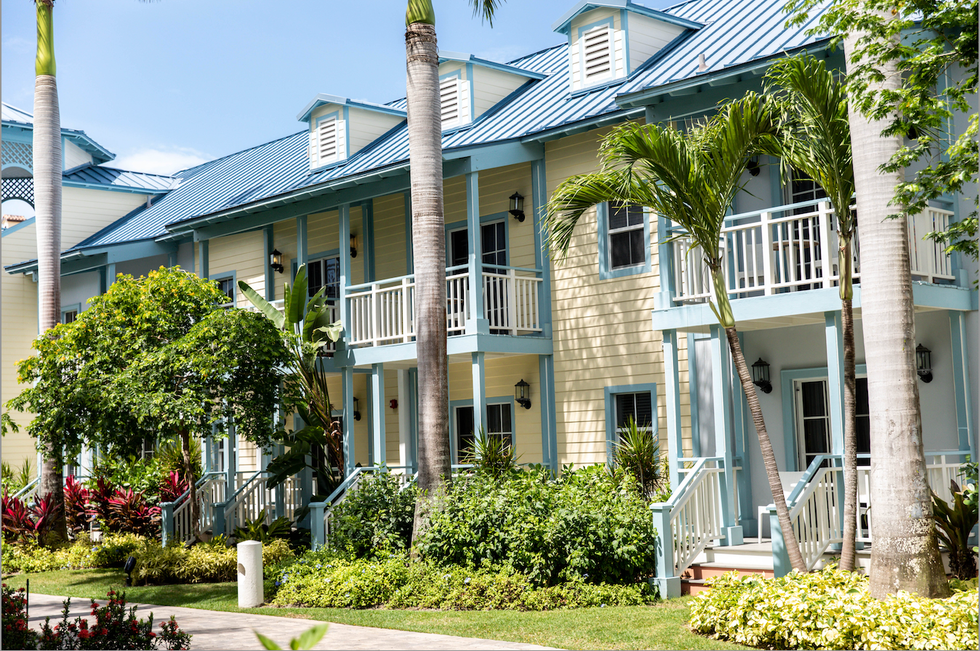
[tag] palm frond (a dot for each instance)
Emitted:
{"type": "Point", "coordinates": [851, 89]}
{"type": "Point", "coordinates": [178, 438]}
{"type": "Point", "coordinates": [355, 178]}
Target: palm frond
{"type": "Point", "coordinates": [485, 8]}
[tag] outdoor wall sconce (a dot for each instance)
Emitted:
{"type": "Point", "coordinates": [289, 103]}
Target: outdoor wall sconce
{"type": "Point", "coordinates": [275, 260]}
{"type": "Point", "coordinates": [357, 414]}
{"type": "Point", "coordinates": [522, 394]}
{"type": "Point", "coordinates": [760, 376]}
{"type": "Point", "coordinates": [393, 404]}
{"type": "Point", "coordinates": [923, 363]}
{"type": "Point", "coordinates": [353, 245]}
{"type": "Point", "coordinates": [517, 206]}
{"type": "Point", "coordinates": [752, 167]}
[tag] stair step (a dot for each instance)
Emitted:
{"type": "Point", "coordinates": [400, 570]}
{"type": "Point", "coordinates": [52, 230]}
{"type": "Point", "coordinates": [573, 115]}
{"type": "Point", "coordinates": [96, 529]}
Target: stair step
{"type": "Point", "coordinates": [701, 571]}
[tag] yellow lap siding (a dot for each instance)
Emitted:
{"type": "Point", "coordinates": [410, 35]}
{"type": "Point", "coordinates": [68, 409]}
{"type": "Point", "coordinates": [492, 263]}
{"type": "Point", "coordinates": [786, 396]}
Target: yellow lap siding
{"type": "Point", "coordinates": [243, 254]}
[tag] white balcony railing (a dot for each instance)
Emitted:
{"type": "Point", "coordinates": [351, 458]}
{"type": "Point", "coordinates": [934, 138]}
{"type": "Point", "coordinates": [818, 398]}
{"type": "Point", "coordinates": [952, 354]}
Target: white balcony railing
{"type": "Point", "coordinates": [383, 312]}
{"type": "Point", "coordinates": [794, 248]}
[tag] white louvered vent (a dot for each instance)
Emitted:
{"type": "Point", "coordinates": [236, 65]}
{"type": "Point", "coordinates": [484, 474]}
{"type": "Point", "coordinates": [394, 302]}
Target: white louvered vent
{"type": "Point", "coordinates": [454, 98]}
{"type": "Point", "coordinates": [328, 143]}
{"type": "Point", "coordinates": [599, 57]}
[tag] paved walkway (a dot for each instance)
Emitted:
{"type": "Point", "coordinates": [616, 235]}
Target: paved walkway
{"type": "Point", "coordinates": [221, 630]}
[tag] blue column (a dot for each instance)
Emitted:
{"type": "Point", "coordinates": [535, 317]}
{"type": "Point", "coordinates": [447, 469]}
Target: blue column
{"type": "Point", "coordinates": [668, 584]}
{"type": "Point", "coordinates": [692, 385]}
{"type": "Point", "coordinates": [172, 258]}
{"type": "Point", "coordinates": [270, 275]}
{"type": "Point", "coordinates": [347, 378]}
{"type": "Point", "coordinates": [665, 257]}
{"type": "Point", "coordinates": [549, 423]}
{"type": "Point", "coordinates": [345, 270]}
{"type": "Point", "coordinates": [409, 264]}
{"type": "Point", "coordinates": [110, 273]}
{"type": "Point", "coordinates": [475, 243]}
{"type": "Point", "coordinates": [722, 395]}
{"type": "Point", "coordinates": [479, 396]}
{"type": "Point", "coordinates": [834, 334]}
{"type": "Point", "coordinates": [961, 381]}
{"type": "Point", "coordinates": [378, 413]}
{"type": "Point", "coordinates": [203, 271]}
{"type": "Point", "coordinates": [367, 239]}
{"type": "Point", "coordinates": [675, 448]}
{"type": "Point", "coordinates": [542, 261]}
{"type": "Point", "coordinates": [745, 512]}
{"type": "Point", "coordinates": [413, 418]}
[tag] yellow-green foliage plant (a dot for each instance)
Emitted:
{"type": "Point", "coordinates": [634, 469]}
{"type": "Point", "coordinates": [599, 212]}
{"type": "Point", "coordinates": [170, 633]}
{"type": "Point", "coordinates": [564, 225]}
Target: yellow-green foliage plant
{"type": "Point", "coordinates": [831, 609]}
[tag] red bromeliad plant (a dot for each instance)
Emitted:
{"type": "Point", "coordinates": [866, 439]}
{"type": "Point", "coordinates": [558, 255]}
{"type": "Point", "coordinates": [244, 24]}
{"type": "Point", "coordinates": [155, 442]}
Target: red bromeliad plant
{"type": "Point", "coordinates": [76, 505]}
{"type": "Point", "coordinates": [22, 523]}
{"type": "Point", "coordinates": [172, 487]}
{"type": "Point", "coordinates": [128, 511]}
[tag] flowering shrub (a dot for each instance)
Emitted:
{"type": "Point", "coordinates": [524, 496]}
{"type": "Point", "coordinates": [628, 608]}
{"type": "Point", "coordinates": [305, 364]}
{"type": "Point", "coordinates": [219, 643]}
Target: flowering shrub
{"type": "Point", "coordinates": [831, 609]}
{"type": "Point", "coordinates": [16, 634]}
{"type": "Point", "coordinates": [23, 523]}
{"type": "Point", "coordinates": [323, 580]}
{"type": "Point", "coordinates": [76, 505]}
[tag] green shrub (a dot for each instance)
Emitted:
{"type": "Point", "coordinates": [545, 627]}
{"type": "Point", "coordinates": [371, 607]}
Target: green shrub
{"type": "Point", "coordinates": [324, 580]}
{"type": "Point", "coordinates": [831, 609]}
{"type": "Point", "coordinates": [204, 563]}
{"type": "Point", "coordinates": [375, 519]}
{"type": "Point", "coordinates": [638, 453]}
{"type": "Point", "coordinates": [257, 529]}
{"type": "Point", "coordinates": [81, 554]}
{"type": "Point", "coordinates": [587, 526]}
{"type": "Point", "coordinates": [142, 476]}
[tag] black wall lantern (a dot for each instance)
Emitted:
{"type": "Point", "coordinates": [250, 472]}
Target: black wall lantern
{"type": "Point", "coordinates": [275, 260]}
{"type": "Point", "coordinates": [357, 414]}
{"type": "Point", "coordinates": [760, 376]}
{"type": "Point", "coordinates": [753, 166]}
{"type": "Point", "coordinates": [353, 245]}
{"type": "Point", "coordinates": [923, 363]}
{"type": "Point", "coordinates": [522, 394]}
{"type": "Point", "coordinates": [517, 206]}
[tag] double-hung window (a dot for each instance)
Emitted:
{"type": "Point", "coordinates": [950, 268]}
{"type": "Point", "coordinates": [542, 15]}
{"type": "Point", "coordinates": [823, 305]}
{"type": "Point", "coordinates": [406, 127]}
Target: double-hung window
{"type": "Point", "coordinates": [623, 403]}
{"type": "Point", "coordinates": [635, 406]}
{"type": "Point", "coordinates": [324, 274]}
{"type": "Point", "coordinates": [499, 425]}
{"type": "Point", "coordinates": [624, 240]}
{"type": "Point", "coordinates": [227, 287]}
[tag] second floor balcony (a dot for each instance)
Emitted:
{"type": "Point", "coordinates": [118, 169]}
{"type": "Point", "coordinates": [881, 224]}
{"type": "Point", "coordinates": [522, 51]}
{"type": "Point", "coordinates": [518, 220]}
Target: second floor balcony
{"type": "Point", "coordinates": [794, 248]}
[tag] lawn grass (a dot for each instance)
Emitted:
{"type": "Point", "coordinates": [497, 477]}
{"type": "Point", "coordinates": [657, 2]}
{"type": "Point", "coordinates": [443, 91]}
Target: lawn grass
{"type": "Point", "coordinates": [662, 626]}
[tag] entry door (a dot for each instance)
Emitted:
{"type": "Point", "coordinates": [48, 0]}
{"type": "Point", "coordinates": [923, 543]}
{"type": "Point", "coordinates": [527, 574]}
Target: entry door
{"type": "Point", "coordinates": [813, 429]}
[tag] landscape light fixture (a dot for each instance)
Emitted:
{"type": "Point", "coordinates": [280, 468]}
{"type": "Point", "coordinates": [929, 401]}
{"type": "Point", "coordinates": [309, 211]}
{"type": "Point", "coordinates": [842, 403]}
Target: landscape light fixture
{"type": "Point", "coordinates": [517, 206]}
{"type": "Point", "coordinates": [128, 569]}
{"type": "Point", "coordinates": [353, 245]}
{"type": "Point", "coordinates": [760, 376]}
{"type": "Point", "coordinates": [923, 363]}
{"type": "Point", "coordinates": [357, 414]}
{"type": "Point", "coordinates": [275, 260]}
{"type": "Point", "coordinates": [522, 394]}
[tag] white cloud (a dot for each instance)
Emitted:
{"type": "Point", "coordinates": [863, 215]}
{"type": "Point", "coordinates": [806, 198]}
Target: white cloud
{"type": "Point", "coordinates": [160, 161]}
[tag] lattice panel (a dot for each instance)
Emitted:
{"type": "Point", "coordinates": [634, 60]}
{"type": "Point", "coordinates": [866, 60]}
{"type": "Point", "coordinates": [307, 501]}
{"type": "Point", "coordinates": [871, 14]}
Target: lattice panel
{"type": "Point", "coordinates": [18, 153]}
{"type": "Point", "coordinates": [22, 189]}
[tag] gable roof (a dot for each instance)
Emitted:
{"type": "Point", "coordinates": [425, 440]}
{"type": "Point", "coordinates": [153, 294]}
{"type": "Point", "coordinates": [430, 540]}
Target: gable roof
{"type": "Point", "coordinates": [20, 119]}
{"type": "Point", "coordinates": [564, 23]}
{"type": "Point", "coordinates": [324, 98]}
{"type": "Point", "coordinates": [110, 178]}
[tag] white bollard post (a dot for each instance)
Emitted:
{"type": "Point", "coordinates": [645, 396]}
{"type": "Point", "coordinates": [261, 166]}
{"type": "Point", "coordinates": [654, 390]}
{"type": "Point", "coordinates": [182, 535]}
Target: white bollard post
{"type": "Point", "coordinates": [250, 587]}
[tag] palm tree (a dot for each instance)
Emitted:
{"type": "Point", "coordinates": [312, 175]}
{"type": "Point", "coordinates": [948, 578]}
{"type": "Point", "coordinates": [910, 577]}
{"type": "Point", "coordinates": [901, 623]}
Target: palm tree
{"type": "Point", "coordinates": [691, 179]}
{"type": "Point", "coordinates": [905, 553]}
{"type": "Point", "coordinates": [815, 138]}
{"type": "Point", "coordinates": [47, 210]}
{"type": "Point", "coordinates": [429, 246]}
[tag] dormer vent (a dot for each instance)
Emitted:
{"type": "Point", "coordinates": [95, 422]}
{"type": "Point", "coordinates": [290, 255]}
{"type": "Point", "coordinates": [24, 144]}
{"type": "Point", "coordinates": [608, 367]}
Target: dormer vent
{"type": "Point", "coordinates": [454, 95]}
{"type": "Point", "coordinates": [597, 46]}
{"type": "Point", "coordinates": [328, 142]}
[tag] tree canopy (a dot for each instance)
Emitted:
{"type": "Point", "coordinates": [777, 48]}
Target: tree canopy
{"type": "Point", "coordinates": [153, 357]}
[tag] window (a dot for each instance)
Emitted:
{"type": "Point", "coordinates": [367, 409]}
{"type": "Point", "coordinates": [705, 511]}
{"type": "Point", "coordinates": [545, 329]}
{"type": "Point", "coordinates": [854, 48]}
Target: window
{"type": "Point", "coordinates": [499, 425]}
{"type": "Point", "coordinates": [624, 236]}
{"type": "Point", "coordinates": [67, 316]}
{"type": "Point", "coordinates": [148, 448]}
{"type": "Point", "coordinates": [638, 406]}
{"type": "Point", "coordinates": [813, 424]}
{"type": "Point", "coordinates": [638, 401]}
{"type": "Point", "coordinates": [227, 287]}
{"type": "Point", "coordinates": [324, 272]}
{"type": "Point", "coordinates": [218, 455]}
{"type": "Point", "coordinates": [803, 188]}
{"type": "Point", "coordinates": [454, 99]}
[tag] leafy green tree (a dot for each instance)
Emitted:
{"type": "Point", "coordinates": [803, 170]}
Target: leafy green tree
{"type": "Point", "coordinates": [692, 179]}
{"type": "Point", "coordinates": [306, 328]}
{"type": "Point", "coordinates": [153, 356]}
{"type": "Point", "coordinates": [933, 44]}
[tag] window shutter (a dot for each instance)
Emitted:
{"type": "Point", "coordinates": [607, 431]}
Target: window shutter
{"type": "Point", "coordinates": [597, 61]}
{"type": "Point", "coordinates": [463, 95]}
{"type": "Point", "coordinates": [341, 135]}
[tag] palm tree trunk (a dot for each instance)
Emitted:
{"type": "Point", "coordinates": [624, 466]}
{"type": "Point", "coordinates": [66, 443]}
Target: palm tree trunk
{"type": "Point", "coordinates": [429, 242]}
{"type": "Point", "coordinates": [765, 446]}
{"type": "Point", "coordinates": [904, 552]}
{"type": "Point", "coordinates": [47, 210]}
{"type": "Point", "coordinates": [845, 259]}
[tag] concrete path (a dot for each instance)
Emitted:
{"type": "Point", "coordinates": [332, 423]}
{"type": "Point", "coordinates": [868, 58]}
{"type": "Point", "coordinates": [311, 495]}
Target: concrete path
{"type": "Point", "coordinates": [220, 630]}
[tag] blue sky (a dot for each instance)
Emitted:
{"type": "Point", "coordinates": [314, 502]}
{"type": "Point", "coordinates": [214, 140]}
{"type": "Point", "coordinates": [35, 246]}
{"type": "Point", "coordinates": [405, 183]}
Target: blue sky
{"type": "Point", "coordinates": [168, 84]}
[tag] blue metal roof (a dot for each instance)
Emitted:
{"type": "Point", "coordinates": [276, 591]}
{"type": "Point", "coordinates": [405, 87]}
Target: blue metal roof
{"type": "Point", "coordinates": [504, 67]}
{"type": "Point", "coordinates": [564, 23]}
{"type": "Point", "coordinates": [115, 179]}
{"type": "Point", "coordinates": [15, 117]}
{"type": "Point", "coordinates": [735, 33]}
{"type": "Point", "coordinates": [324, 98]}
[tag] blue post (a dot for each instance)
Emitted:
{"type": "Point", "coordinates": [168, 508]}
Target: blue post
{"type": "Point", "coordinates": [961, 381]}
{"type": "Point", "coordinates": [549, 427]}
{"type": "Point", "coordinates": [673, 403]}
{"type": "Point", "coordinates": [378, 413]}
{"type": "Point", "coordinates": [219, 518]}
{"type": "Point", "coordinates": [475, 242]}
{"type": "Point", "coordinates": [347, 380]}
{"type": "Point", "coordinates": [722, 394]}
{"type": "Point", "coordinates": [203, 245]}
{"type": "Point", "coordinates": [317, 531]}
{"type": "Point", "coordinates": [270, 275]}
{"type": "Point", "coordinates": [692, 385]}
{"type": "Point", "coordinates": [780, 557]}
{"type": "Point", "coordinates": [669, 585]}
{"type": "Point", "coordinates": [166, 522]}
{"type": "Point", "coordinates": [542, 261]}
{"type": "Point", "coordinates": [479, 395]}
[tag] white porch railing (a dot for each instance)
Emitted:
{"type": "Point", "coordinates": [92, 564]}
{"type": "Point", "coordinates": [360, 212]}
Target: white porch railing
{"type": "Point", "coordinates": [691, 518]}
{"type": "Point", "coordinates": [383, 312]}
{"type": "Point", "coordinates": [177, 524]}
{"type": "Point", "coordinates": [816, 503]}
{"type": "Point", "coordinates": [793, 248]}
